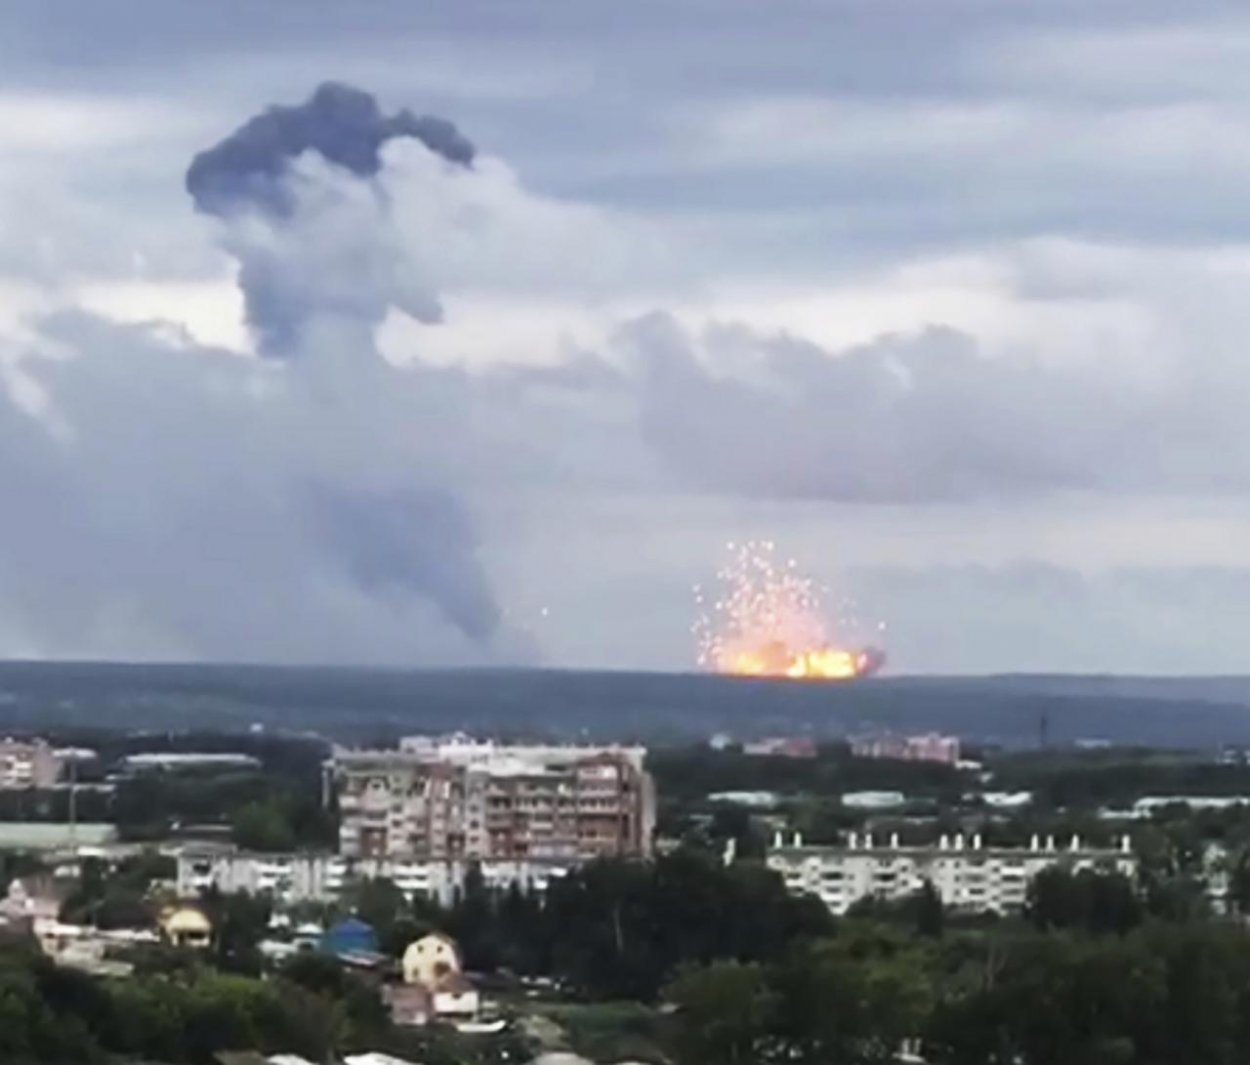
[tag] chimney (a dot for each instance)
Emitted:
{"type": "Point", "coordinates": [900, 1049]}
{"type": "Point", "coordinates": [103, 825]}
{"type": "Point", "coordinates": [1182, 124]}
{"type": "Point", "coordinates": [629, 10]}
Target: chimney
{"type": "Point", "coordinates": [959, 842]}
{"type": "Point", "coordinates": [976, 842]}
{"type": "Point", "coordinates": [1050, 843]}
{"type": "Point", "coordinates": [1076, 842]}
{"type": "Point", "coordinates": [1034, 842]}
{"type": "Point", "coordinates": [778, 843]}
{"type": "Point", "coordinates": [854, 840]}
{"type": "Point", "coordinates": [798, 839]}
{"type": "Point", "coordinates": [942, 842]}
{"type": "Point", "coordinates": [894, 840]}
{"type": "Point", "coordinates": [1126, 845]}
{"type": "Point", "coordinates": [867, 841]}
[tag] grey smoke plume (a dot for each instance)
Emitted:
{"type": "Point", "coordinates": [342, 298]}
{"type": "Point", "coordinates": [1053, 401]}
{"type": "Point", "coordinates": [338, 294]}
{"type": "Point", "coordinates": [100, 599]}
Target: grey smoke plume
{"type": "Point", "coordinates": [415, 541]}
{"type": "Point", "coordinates": [341, 123]}
{"type": "Point", "coordinates": [319, 262]}
{"type": "Point", "coordinates": [352, 467]}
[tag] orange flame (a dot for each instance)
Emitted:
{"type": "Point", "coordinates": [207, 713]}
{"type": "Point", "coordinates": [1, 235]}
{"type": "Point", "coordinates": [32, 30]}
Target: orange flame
{"type": "Point", "coordinates": [770, 623]}
{"type": "Point", "coordinates": [826, 664]}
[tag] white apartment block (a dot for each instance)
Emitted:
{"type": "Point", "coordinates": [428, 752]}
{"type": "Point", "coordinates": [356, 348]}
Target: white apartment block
{"type": "Point", "coordinates": [286, 878]}
{"type": "Point", "coordinates": [458, 799]}
{"type": "Point", "coordinates": [965, 874]}
{"type": "Point", "coordinates": [310, 877]}
{"type": "Point", "coordinates": [28, 764]}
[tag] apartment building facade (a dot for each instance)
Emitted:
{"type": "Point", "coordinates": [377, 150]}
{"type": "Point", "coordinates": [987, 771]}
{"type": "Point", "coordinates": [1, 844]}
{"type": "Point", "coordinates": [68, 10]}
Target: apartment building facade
{"type": "Point", "coordinates": [28, 764]}
{"type": "Point", "coordinates": [317, 877]}
{"type": "Point", "coordinates": [965, 874]}
{"type": "Point", "coordinates": [460, 799]}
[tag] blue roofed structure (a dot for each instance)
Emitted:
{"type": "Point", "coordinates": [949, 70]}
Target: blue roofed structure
{"type": "Point", "coordinates": [350, 937]}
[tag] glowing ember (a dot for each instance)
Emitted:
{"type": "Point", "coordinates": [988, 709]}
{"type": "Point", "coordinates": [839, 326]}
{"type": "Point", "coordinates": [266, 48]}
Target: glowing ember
{"type": "Point", "coordinates": [769, 621]}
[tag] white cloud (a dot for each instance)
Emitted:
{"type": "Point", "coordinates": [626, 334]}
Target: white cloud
{"type": "Point", "coordinates": [210, 311]}
{"type": "Point", "coordinates": [61, 124]}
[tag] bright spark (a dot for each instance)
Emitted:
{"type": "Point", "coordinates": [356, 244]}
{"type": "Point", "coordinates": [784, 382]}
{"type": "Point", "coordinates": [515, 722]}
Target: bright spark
{"type": "Point", "coordinates": [769, 621]}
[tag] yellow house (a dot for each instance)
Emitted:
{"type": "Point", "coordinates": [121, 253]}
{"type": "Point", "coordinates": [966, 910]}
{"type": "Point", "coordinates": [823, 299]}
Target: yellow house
{"type": "Point", "coordinates": [186, 926]}
{"type": "Point", "coordinates": [431, 958]}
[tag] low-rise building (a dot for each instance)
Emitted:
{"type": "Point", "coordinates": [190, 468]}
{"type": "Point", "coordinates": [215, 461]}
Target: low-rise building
{"type": "Point", "coordinates": [430, 957]}
{"type": "Point", "coordinates": [1007, 800]}
{"type": "Point", "coordinates": [319, 877]}
{"type": "Point", "coordinates": [929, 747]}
{"type": "Point", "coordinates": [1149, 805]}
{"type": "Point", "coordinates": [435, 985]}
{"type": "Point", "coordinates": [185, 925]}
{"type": "Point", "coordinates": [781, 747]}
{"type": "Point", "coordinates": [455, 997]}
{"type": "Point", "coordinates": [173, 761]}
{"type": "Point", "coordinates": [56, 837]}
{"type": "Point", "coordinates": [873, 800]}
{"type": "Point", "coordinates": [965, 874]}
{"type": "Point", "coordinates": [752, 800]}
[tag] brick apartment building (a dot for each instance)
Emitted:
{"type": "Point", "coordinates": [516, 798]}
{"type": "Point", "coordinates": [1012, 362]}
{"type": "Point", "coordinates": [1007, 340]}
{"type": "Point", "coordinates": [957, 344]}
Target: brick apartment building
{"type": "Point", "coordinates": [436, 800]}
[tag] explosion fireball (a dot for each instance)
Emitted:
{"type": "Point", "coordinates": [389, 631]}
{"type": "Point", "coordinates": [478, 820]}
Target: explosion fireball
{"type": "Point", "coordinates": [768, 620]}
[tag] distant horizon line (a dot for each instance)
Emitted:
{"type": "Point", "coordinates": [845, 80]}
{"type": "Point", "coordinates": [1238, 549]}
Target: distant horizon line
{"type": "Point", "coordinates": [395, 668]}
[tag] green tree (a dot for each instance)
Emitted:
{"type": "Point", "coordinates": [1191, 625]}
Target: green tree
{"type": "Point", "coordinates": [854, 999]}
{"type": "Point", "coordinates": [724, 1014]}
{"type": "Point", "coordinates": [239, 922]}
{"type": "Point", "coordinates": [380, 904]}
{"type": "Point", "coordinates": [1095, 902]}
{"type": "Point", "coordinates": [263, 826]}
{"type": "Point", "coordinates": [1238, 872]}
{"type": "Point", "coordinates": [930, 916]}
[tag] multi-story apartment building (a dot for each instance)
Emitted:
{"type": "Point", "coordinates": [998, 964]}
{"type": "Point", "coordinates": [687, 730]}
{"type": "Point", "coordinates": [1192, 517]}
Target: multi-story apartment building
{"type": "Point", "coordinates": [464, 800]}
{"type": "Point", "coordinates": [965, 874]}
{"type": "Point", "coordinates": [28, 764]}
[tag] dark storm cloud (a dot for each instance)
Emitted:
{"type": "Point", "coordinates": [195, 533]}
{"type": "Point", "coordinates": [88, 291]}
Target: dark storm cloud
{"type": "Point", "coordinates": [341, 123]}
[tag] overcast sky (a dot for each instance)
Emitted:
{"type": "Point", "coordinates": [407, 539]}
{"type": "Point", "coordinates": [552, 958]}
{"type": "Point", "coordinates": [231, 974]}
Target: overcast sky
{"type": "Point", "coordinates": [945, 297]}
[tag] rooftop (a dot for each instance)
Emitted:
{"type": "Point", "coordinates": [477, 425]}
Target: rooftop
{"type": "Point", "coordinates": [40, 835]}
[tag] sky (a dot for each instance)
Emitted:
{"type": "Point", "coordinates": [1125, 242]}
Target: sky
{"type": "Point", "coordinates": [470, 334]}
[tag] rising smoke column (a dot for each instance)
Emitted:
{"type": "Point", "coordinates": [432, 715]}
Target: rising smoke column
{"type": "Point", "coordinates": [766, 619]}
{"type": "Point", "coordinates": [301, 196]}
